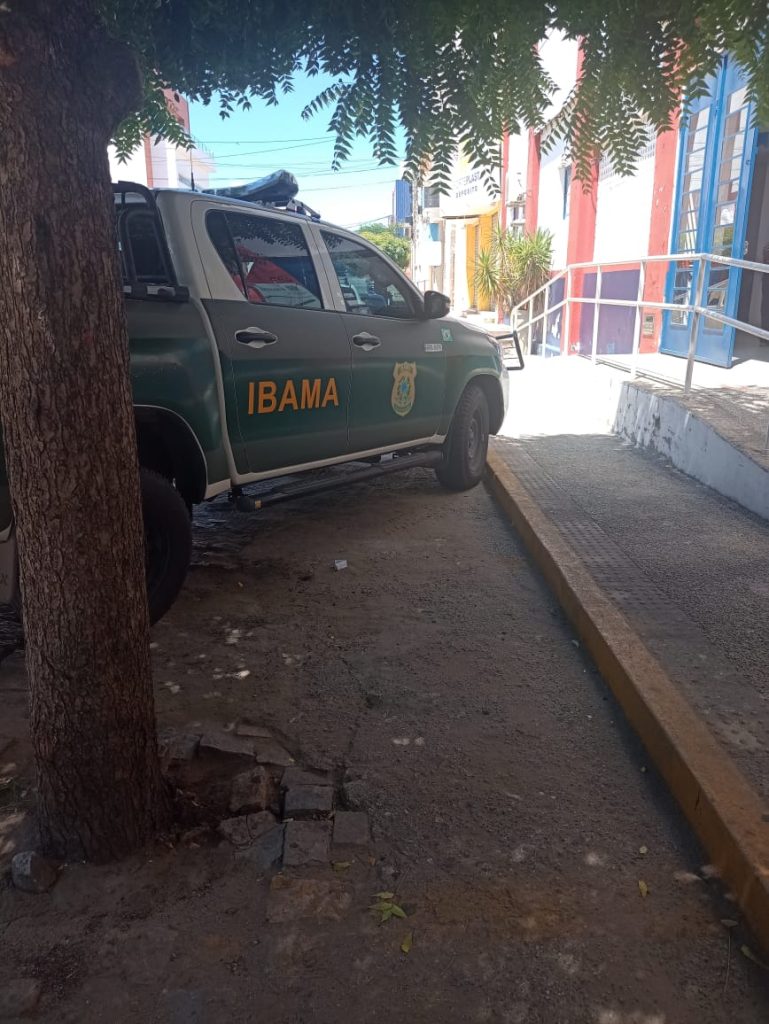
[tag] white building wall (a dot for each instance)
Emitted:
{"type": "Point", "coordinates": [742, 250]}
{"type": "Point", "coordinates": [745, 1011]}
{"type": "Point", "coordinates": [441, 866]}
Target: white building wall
{"type": "Point", "coordinates": [517, 165]}
{"type": "Point", "coordinates": [171, 167]}
{"type": "Point", "coordinates": [552, 173]}
{"type": "Point", "coordinates": [134, 169]}
{"type": "Point", "coordinates": [623, 212]}
{"type": "Point", "coordinates": [559, 59]}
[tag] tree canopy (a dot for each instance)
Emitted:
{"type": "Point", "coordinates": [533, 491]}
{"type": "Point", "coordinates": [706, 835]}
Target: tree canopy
{"type": "Point", "coordinates": [384, 238]}
{"type": "Point", "coordinates": [454, 71]}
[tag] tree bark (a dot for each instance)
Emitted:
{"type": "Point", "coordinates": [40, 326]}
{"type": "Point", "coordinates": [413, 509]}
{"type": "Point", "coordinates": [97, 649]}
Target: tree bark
{"type": "Point", "coordinates": [66, 408]}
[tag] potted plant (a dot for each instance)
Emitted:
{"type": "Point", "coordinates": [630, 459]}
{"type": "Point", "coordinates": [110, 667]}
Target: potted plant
{"type": "Point", "coordinates": [514, 266]}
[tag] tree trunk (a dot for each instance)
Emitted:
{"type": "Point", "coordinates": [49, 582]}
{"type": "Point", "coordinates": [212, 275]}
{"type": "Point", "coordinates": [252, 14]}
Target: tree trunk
{"type": "Point", "coordinates": [67, 416]}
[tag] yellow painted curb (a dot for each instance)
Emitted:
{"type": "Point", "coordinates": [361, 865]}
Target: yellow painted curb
{"type": "Point", "coordinates": [730, 818]}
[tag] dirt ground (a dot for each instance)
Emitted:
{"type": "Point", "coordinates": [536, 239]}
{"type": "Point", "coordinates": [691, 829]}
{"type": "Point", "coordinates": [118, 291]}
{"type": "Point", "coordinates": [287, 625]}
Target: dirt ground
{"type": "Point", "coordinates": [512, 812]}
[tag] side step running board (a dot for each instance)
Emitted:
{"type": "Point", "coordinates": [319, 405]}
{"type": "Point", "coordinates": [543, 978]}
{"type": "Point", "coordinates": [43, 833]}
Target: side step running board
{"type": "Point", "coordinates": [245, 503]}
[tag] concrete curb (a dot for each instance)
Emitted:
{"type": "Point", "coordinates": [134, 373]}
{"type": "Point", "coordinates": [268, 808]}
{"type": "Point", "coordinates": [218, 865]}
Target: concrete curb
{"type": "Point", "coordinates": [729, 817]}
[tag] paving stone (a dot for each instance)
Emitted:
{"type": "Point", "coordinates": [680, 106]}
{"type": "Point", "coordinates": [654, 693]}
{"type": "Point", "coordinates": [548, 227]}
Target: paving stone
{"type": "Point", "coordinates": [255, 731]}
{"type": "Point", "coordinates": [244, 830]}
{"type": "Point", "coordinates": [251, 791]}
{"type": "Point", "coordinates": [266, 851]}
{"type": "Point", "coordinates": [304, 801]}
{"type": "Point", "coordinates": [185, 1006]}
{"type": "Point", "coordinates": [306, 842]}
{"type": "Point", "coordinates": [19, 997]}
{"type": "Point", "coordinates": [292, 899]}
{"type": "Point", "coordinates": [32, 873]}
{"type": "Point", "coordinates": [356, 795]}
{"type": "Point", "coordinates": [351, 828]}
{"type": "Point", "coordinates": [221, 742]}
{"type": "Point", "coordinates": [297, 776]}
{"type": "Point", "coordinates": [270, 752]}
{"type": "Point", "coordinates": [178, 746]}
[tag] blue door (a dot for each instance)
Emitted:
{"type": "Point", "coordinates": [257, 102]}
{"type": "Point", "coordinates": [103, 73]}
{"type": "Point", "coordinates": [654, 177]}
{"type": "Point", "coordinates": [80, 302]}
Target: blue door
{"type": "Point", "coordinates": [715, 170]}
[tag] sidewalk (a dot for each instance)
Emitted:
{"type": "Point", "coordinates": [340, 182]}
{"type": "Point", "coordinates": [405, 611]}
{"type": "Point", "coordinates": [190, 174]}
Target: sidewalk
{"type": "Point", "coordinates": [687, 572]}
{"type": "Point", "coordinates": [688, 568]}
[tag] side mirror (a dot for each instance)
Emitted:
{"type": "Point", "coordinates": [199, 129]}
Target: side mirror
{"type": "Point", "coordinates": [436, 305]}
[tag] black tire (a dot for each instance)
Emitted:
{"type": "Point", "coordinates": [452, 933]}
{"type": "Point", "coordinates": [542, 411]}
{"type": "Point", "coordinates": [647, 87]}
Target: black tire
{"type": "Point", "coordinates": [464, 453]}
{"type": "Point", "coordinates": [167, 539]}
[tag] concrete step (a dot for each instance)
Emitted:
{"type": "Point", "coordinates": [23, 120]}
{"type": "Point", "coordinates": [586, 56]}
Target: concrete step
{"type": "Point", "coordinates": [717, 435]}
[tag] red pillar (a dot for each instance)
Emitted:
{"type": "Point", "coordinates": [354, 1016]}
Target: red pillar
{"type": "Point", "coordinates": [663, 198]}
{"type": "Point", "coordinates": [148, 161]}
{"type": "Point", "coordinates": [580, 247]}
{"type": "Point", "coordinates": [532, 182]}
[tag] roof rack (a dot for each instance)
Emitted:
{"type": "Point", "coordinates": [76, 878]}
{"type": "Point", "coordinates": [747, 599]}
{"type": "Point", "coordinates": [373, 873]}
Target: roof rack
{"type": "Point", "coordinates": [276, 190]}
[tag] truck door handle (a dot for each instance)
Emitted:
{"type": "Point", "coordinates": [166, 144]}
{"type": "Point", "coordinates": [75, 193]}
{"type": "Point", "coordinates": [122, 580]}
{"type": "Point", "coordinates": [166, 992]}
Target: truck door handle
{"type": "Point", "coordinates": [366, 341]}
{"type": "Point", "coordinates": [255, 337]}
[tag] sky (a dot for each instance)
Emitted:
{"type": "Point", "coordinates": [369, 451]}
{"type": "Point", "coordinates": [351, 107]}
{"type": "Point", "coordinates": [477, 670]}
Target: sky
{"type": "Point", "coordinates": [249, 145]}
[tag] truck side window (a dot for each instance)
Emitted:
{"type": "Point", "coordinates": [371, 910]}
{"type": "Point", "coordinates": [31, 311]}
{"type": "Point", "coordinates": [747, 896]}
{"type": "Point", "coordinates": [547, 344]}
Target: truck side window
{"type": "Point", "coordinates": [275, 264]}
{"type": "Point", "coordinates": [145, 250]}
{"type": "Point", "coordinates": [370, 287]}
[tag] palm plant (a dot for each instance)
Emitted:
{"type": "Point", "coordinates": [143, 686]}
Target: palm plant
{"type": "Point", "coordinates": [514, 266]}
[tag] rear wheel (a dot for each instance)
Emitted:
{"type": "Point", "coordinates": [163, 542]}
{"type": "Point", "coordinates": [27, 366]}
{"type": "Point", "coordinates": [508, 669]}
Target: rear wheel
{"type": "Point", "coordinates": [464, 453]}
{"type": "Point", "coordinates": [167, 541]}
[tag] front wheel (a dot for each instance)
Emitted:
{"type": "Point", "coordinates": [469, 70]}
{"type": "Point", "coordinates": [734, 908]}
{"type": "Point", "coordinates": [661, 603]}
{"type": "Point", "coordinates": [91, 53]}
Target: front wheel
{"type": "Point", "coordinates": [167, 541]}
{"type": "Point", "coordinates": [464, 453]}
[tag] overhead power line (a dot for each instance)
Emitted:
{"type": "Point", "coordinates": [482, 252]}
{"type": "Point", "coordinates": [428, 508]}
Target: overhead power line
{"type": "Point", "coordinates": [263, 142]}
{"type": "Point", "coordinates": [301, 171]}
{"type": "Point", "coordinates": [262, 152]}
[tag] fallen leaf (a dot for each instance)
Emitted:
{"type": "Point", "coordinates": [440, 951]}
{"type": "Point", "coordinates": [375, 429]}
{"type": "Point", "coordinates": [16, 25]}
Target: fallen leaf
{"type": "Point", "coordinates": [381, 906]}
{"type": "Point", "coordinates": [341, 865]}
{"type": "Point", "coordinates": [748, 952]}
{"type": "Point", "coordinates": [386, 908]}
{"type": "Point", "coordinates": [407, 943]}
{"type": "Point", "coordinates": [686, 877]}
{"type": "Point", "coordinates": [643, 888]}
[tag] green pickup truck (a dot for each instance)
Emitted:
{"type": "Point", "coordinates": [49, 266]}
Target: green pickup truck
{"type": "Point", "coordinates": [265, 343]}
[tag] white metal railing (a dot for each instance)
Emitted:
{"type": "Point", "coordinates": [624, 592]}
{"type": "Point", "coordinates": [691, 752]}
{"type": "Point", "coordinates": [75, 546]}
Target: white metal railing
{"type": "Point", "coordinates": [694, 310]}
